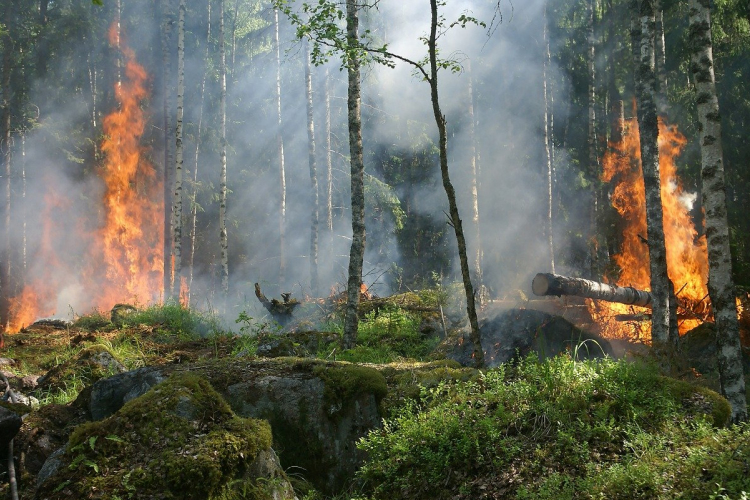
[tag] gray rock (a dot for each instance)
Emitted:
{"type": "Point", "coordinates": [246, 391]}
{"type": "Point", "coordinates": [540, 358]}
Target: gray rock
{"type": "Point", "coordinates": [50, 467]}
{"type": "Point", "coordinates": [311, 433]}
{"type": "Point", "coordinates": [266, 465]}
{"type": "Point", "coordinates": [110, 394]}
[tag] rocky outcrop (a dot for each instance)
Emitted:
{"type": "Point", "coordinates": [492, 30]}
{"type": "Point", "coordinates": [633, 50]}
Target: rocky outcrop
{"type": "Point", "coordinates": [317, 411]}
{"type": "Point", "coordinates": [178, 440]}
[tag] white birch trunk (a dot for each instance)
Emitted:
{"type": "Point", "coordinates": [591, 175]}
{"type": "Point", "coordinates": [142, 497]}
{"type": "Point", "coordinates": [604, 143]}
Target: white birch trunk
{"type": "Point", "coordinates": [547, 149]}
{"type": "Point", "coordinates": [280, 146]}
{"type": "Point", "coordinates": [167, 125]}
{"type": "Point", "coordinates": [177, 200]}
{"type": "Point", "coordinates": [661, 57]}
{"type": "Point", "coordinates": [194, 194]}
{"type": "Point", "coordinates": [329, 161]}
{"type": "Point", "coordinates": [720, 284]}
{"type": "Point", "coordinates": [223, 241]}
{"type": "Point", "coordinates": [314, 217]}
{"type": "Point", "coordinates": [482, 294]}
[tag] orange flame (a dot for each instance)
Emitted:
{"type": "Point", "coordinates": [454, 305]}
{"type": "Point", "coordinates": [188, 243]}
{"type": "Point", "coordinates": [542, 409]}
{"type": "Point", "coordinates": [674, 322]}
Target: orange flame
{"type": "Point", "coordinates": [687, 259]}
{"type": "Point", "coordinates": [123, 262]}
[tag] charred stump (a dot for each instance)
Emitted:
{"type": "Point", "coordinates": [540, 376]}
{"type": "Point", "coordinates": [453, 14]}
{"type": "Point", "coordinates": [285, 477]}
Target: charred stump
{"type": "Point", "coordinates": [281, 311]}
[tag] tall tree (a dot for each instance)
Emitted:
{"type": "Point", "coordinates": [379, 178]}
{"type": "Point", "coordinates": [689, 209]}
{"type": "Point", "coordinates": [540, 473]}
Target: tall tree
{"type": "Point", "coordinates": [167, 124]}
{"type": "Point", "coordinates": [223, 240]}
{"type": "Point", "coordinates": [593, 154]}
{"type": "Point", "coordinates": [448, 186]}
{"type": "Point", "coordinates": [5, 149]}
{"type": "Point", "coordinates": [314, 216]}
{"type": "Point", "coordinates": [194, 193]}
{"type": "Point", "coordinates": [357, 250]}
{"type": "Point", "coordinates": [547, 146]}
{"type": "Point", "coordinates": [648, 126]}
{"type": "Point", "coordinates": [329, 160]}
{"type": "Point", "coordinates": [482, 290]}
{"type": "Point", "coordinates": [177, 200]}
{"type": "Point", "coordinates": [661, 58]}
{"type": "Point", "coordinates": [720, 284]}
{"type": "Point", "coordinates": [280, 146]}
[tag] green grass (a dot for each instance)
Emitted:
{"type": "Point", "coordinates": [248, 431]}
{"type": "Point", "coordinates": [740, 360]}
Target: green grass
{"type": "Point", "coordinates": [562, 429]}
{"type": "Point", "coordinates": [387, 335]}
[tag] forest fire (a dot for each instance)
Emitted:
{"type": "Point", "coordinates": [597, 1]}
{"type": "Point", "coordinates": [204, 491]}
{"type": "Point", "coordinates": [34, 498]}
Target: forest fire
{"type": "Point", "coordinates": [687, 260]}
{"type": "Point", "coordinates": [122, 260]}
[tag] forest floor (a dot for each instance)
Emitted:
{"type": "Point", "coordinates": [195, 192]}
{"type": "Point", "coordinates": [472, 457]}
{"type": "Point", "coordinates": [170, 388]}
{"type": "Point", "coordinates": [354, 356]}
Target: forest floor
{"type": "Point", "coordinates": [556, 428]}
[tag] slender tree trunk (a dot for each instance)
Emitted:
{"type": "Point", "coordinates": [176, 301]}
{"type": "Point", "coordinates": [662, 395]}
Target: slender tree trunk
{"type": "Point", "coordinates": [92, 85]}
{"type": "Point", "coordinates": [167, 124]}
{"type": "Point", "coordinates": [194, 194]}
{"type": "Point", "coordinates": [450, 191]}
{"type": "Point", "coordinates": [661, 58]}
{"type": "Point", "coordinates": [23, 204]}
{"type": "Point", "coordinates": [720, 284]}
{"type": "Point", "coordinates": [645, 83]}
{"type": "Point", "coordinates": [223, 241]}
{"type": "Point", "coordinates": [357, 251]}
{"type": "Point", "coordinates": [593, 160]}
{"type": "Point", "coordinates": [548, 153]}
{"type": "Point", "coordinates": [177, 207]}
{"type": "Point", "coordinates": [280, 146]}
{"type": "Point", "coordinates": [313, 177]}
{"type": "Point", "coordinates": [5, 149]}
{"type": "Point", "coordinates": [482, 290]}
{"type": "Point", "coordinates": [329, 162]}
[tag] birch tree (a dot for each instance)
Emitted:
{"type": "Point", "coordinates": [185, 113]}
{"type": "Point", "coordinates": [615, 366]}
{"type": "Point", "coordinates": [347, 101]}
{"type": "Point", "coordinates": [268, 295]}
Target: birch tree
{"type": "Point", "coordinates": [645, 84]}
{"type": "Point", "coordinates": [177, 208]}
{"type": "Point", "coordinates": [167, 126]}
{"type": "Point", "coordinates": [720, 284]}
{"type": "Point", "coordinates": [194, 193]}
{"type": "Point", "coordinates": [5, 149]}
{"type": "Point", "coordinates": [314, 216]}
{"type": "Point", "coordinates": [547, 146]}
{"type": "Point", "coordinates": [223, 241]}
{"type": "Point", "coordinates": [280, 147]}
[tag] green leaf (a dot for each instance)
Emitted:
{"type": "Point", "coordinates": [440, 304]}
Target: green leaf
{"type": "Point", "coordinates": [92, 442]}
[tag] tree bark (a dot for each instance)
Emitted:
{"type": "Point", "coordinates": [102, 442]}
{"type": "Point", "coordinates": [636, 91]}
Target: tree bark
{"type": "Point", "coordinates": [5, 149]}
{"type": "Point", "coordinates": [450, 191]}
{"type": "Point", "coordinates": [554, 284]}
{"type": "Point", "coordinates": [329, 162]}
{"type": "Point", "coordinates": [167, 124]}
{"type": "Point", "coordinates": [194, 194]}
{"type": "Point", "coordinates": [223, 240]}
{"type": "Point", "coordinates": [177, 208]}
{"type": "Point", "coordinates": [593, 155]}
{"type": "Point", "coordinates": [280, 146]}
{"type": "Point", "coordinates": [720, 284]}
{"type": "Point", "coordinates": [645, 84]}
{"type": "Point", "coordinates": [314, 216]}
{"type": "Point", "coordinates": [661, 58]}
{"type": "Point", "coordinates": [357, 250]}
{"type": "Point", "coordinates": [482, 294]}
{"type": "Point", "coordinates": [547, 150]}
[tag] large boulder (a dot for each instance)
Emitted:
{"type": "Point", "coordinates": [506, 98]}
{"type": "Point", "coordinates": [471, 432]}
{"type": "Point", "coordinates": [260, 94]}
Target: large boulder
{"type": "Point", "coordinates": [517, 332]}
{"type": "Point", "coordinates": [180, 440]}
{"type": "Point", "coordinates": [317, 411]}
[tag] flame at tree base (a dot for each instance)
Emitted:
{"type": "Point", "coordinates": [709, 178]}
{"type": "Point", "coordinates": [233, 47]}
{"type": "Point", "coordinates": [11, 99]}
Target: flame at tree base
{"type": "Point", "coordinates": [121, 260]}
{"type": "Point", "coordinates": [687, 258]}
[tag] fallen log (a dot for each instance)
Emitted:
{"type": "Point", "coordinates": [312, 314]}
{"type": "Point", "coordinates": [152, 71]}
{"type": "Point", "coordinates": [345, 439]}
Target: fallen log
{"type": "Point", "coordinates": [554, 284]}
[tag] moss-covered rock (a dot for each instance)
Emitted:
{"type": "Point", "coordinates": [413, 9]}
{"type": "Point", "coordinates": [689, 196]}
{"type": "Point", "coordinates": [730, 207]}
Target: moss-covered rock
{"type": "Point", "coordinates": [179, 440]}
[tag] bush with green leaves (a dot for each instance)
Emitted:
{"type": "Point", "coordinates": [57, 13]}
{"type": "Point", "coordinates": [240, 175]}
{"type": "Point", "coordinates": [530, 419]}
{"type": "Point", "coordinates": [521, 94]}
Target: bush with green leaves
{"type": "Point", "coordinates": [562, 429]}
{"type": "Point", "coordinates": [389, 334]}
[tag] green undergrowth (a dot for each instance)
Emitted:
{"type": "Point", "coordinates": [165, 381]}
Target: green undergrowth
{"type": "Point", "coordinates": [559, 429]}
{"type": "Point", "coordinates": [179, 440]}
{"type": "Point", "coordinates": [390, 334]}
